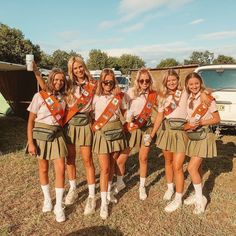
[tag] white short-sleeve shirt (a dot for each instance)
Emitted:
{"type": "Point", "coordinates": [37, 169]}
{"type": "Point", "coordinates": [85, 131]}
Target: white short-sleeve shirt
{"type": "Point", "coordinates": [101, 102]}
{"type": "Point", "coordinates": [137, 103]}
{"type": "Point", "coordinates": [39, 107]}
{"type": "Point", "coordinates": [196, 102]}
{"type": "Point", "coordinates": [181, 109]}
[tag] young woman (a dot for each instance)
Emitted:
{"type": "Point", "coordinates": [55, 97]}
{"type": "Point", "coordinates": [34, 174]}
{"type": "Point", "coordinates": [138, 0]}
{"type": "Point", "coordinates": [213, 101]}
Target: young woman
{"type": "Point", "coordinates": [77, 129]}
{"type": "Point", "coordinates": [109, 138]}
{"type": "Point", "coordinates": [45, 137]}
{"type": "Point", "coordinates": [172, 139]}
{"type": "Point", "coordinates": [201, 142]}
{"type": "Point", "coordinates": [142, 100]}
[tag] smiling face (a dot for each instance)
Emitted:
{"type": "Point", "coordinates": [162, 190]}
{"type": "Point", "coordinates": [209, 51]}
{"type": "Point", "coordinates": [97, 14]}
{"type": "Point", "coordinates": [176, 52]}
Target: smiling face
{"type": "Point", "coordinates": [172, 82]}
{"type": "Point", "coordinates": [58, 82]}
{"type": "Point", "coordinates": [78, 70]}
{"type": "Point", "coordinates": [194, 85]}
{"type": "Point", "coordinates": [108, 84]}
{"type": "Point", "coordinates": [144, 81]}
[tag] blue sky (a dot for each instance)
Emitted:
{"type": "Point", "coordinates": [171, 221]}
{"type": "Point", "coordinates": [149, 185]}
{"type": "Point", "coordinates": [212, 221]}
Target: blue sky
{"type": "Point", "coordinates": [151, 29]}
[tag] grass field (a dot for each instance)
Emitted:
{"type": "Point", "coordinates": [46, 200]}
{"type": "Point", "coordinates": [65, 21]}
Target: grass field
{"type": "Point", "coordinates": [21, 197]}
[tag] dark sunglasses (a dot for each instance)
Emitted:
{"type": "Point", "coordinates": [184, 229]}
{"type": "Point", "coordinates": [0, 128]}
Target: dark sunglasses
{"type": "Point", "coordinates": [141, 81]}
{"type": "Point", "coordinates": [108, 82]}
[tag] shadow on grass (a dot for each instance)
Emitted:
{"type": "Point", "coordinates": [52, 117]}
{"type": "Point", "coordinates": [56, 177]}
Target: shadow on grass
{"type": "Point", "coordinates": [216, 166]}
{"type": "Point", "coordinates": [98, 231]}
{"type": "Point", "coordinates": [13, 134]}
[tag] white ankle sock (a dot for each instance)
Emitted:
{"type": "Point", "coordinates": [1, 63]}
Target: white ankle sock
{"type": "Point", "coordinates": [91, 188]}
{"type": "Point", "coordinates": [178, 197]}
{"type": "Point", "coordinates": [170, 186]}
{"type": "Point", "coordinates": [59, 197]}
{"type": "Point", "coordinates": [119, 180]}
{"type": "Point", "coordinates": [72, 184]}
{"type": "Point", "coordinates": [142, 182]}
{"type": "Point", "coordinates": [104, 198]}
{"type": "Point", "coordinates": [198, 192]}
{"type": "Point", "coordinates": [109, 187]}
{"type": "Point", "coordinates": [46, 192]}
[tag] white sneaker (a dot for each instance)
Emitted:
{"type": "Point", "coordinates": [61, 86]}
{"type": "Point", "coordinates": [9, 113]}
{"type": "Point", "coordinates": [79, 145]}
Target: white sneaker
{"type": "Point", "coordinates": [142, 193]}
{"type": "Point", "coordinates": [168, 194]}
{"type": "Point", "coordinates": [47, 206]}
{"type": "Point", "coordinates": [200, 207]}
{"type": "Point", "coordinates": [111, 197]}
{"type": "Point", "coordinates": [90, 206]}
{"type": "Point", "coordinates": [190, 200]}
{"type": "Point", "coordinates": [71, 197]}
{"type": "Point", "coordinates": [173, 205]}
{"type": "Point", "coordinates": [119, 187]}
{"type": "Point", "coordinates": [60, 214]}
{"type": "Point", "coordinates": [104, 211]}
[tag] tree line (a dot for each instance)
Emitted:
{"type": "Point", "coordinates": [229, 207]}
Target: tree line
{"type": "Point", "coordinates": [14, 47]}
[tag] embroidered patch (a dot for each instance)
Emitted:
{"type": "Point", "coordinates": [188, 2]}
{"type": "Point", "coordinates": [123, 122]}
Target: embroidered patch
{"type": "Point", "coordinates": [105, 117]}
{"type": "Point", "coordinates": [141, 120]}
{"type": "Point", "coordinates": [149, 105]}
{"type": "Point", "coordinates": [197, 117]}
{"type": "Point", "coordinates": [96, 127]}
{"type": "Point", "coordinates": [49, 101]}
{"type": "Point", "coordinates": [85, 93]}
{"type": "Point", "coordinates": [58, 117]}
{"type": "Point", "coordinates": [115, 101]}
{"type": "Point", "coordinates": [80, 105]}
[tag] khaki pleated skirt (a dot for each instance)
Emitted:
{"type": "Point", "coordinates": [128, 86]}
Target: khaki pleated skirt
{"type": "Point", "coordinates": [136, 137]}
{"type": "Point", "coordinates": [79, 135]}
{"type": "Point", "coordinates": [205, 148]}
{"type": "Point", "coordinates": [103, 146]}
{"type": "Point", "coordinates": [171, 140]}
{"type": "Point", "coordinates": [51, 150]}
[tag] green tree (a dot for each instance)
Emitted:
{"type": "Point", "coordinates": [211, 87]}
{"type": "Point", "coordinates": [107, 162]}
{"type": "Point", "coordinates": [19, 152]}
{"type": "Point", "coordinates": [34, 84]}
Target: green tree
{"type": "Point", "coordinates": [127, 62]}
{"type": "Point", "coordinates": [113, 62]}
{"type": "Point", "coordinates": [46, 61]}
{"type": "Point", "coordinates": [168, 62]}
{"type": "Point", "coordinates": [222, 59]}
{"type": "Point", "coordinates": [97, 60]}
{"type": "Point", "coordinates": [14, 46]}
{"type": "Point", "coordinates": [60, 58]}
{"type": "Point", "coordinates": [201, 58]}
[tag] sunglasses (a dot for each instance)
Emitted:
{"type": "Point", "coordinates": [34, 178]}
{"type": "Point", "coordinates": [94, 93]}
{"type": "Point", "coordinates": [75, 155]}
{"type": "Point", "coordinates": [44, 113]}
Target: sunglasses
{"type": "Point", "coordinates": [108, 82]}
{"type": "Point", "coordinates": [141, 81]}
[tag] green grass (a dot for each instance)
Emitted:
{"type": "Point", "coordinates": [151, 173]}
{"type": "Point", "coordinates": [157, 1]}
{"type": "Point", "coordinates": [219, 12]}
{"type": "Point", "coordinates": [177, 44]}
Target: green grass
{"type": "Point", "coordinates": [21, 197]}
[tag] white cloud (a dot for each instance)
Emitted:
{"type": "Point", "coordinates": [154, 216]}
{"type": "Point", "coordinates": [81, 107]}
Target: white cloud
{"type": "Point", "coordinates": [130, 9]}
{"type": "Point", "coordinates": [198, 21]}
{"type": "Point", "coordinates": [134, 27]}
{"type": "Point", "coordinates": [218, 35]}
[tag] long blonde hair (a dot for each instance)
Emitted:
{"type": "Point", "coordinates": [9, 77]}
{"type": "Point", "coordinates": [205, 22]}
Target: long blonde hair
{"type": "Point", "coordinates": [136, 89]}
{"type": "Point", "coordinates": [163, 94]}
{"type": "Point", "coordinates": [105, 72]}
{"type": "Point", "coordinates": [73, 79]}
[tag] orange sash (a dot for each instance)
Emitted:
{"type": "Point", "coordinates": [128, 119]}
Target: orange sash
{"type": "Point", "coordinates": [53, 106]}
{"type": "Point", "coordinates": [108, 112]}
{"type": "Point", "coordinates": [199, 112]}
{"type": "Point", "coordinates": [87, 94]}
{"type": "Point", "coordinates": [145, 113]}
{"type": "Point", "coordinates": [172, 106]}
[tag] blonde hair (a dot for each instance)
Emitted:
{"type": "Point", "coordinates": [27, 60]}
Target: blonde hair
{"type": "Point", "coordinates": [163, 89]}
{"type": "Point", "coordinates": [197, 76]}
{"type": "Point", "coordinates": [73, 79]}
{"type": "Point", "coordinates": [136, 88]}
{"type": "Point", "coordinates": [103, 75]}
{"type": "Point", "coordinates": [49, 84]}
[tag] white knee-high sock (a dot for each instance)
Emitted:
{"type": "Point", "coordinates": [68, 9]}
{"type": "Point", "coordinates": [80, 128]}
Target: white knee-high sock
{"type": "Point", "coordinates": [142, 182]}
{"type": "Point", "coordinates": [46, 192]}
{"type": "Point", "coordinates": [198, 192]}
{"type": "Point", "coordinates": [59, 197]}
{"type": "Point", "coordinates": [72, 184]}
{"type": "Point", "coordinates": [170, 186]}
{"type": "Point", "coordinates": [91, 188]}
{"type": "Point", "coordinates": [104, 198]}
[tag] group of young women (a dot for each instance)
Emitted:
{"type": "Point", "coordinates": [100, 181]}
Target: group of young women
{"type": "Point", "coordinates": [81, 114]}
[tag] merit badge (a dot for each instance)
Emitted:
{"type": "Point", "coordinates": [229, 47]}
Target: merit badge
{"type": "Point", "coordinates": [141, 120]}
{"type": "Point", "coordinates": [178, 93]}
{"type": "Point", "coordinates": [58, 117]}
{"type": "Point", "coordinates": [79, 106]}
{"type": "Point", "coordinates": [105, 117]}
{"type": "Point", "coordinates": [49, 101]}
{"type": "Point", "coordinates": [96, 127]}
{"type": "Point", "coordinates": [173, 105]}
{"type": "Point", "coordinates": [197, 117]}
{"type": "Point", "coordinates": [149, 105]}
{"type": "Point", "coordinates": [115, 101]}
{"type": "Point", "coordinates": [85, 93]}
